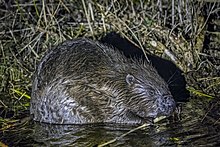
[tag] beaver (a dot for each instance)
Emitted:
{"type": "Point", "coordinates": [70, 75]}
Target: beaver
{"type": "Point", "coordinates": [82, 81]}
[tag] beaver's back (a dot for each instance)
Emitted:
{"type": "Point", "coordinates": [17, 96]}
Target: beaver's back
{"type": "Point", "coordinates": [78, 57]}
{"type": "Point", "coordinates": [81, 81]}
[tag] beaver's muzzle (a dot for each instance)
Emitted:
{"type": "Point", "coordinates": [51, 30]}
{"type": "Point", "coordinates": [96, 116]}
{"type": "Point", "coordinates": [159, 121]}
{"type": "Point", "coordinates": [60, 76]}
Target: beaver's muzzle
{"type": "Point", "coordinates": [165, 105]}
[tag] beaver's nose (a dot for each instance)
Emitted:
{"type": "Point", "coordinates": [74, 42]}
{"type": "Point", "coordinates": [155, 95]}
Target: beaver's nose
{"type": "Point", "coordinates": [166, 105]}
{"type": "Point", "coordinates": [169, 102]}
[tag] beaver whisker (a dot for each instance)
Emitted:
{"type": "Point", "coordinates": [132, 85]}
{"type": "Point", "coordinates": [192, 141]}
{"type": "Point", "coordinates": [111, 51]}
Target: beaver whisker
{"type": "Point", "coordinates": [169, 81]}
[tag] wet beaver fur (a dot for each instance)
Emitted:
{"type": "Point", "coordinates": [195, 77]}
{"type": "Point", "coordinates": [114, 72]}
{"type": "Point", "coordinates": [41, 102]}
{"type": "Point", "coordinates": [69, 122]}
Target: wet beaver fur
{"type": "Point", "coordinates": [165, 68]}
{"type": "Point", "coordinates": [82, 81]}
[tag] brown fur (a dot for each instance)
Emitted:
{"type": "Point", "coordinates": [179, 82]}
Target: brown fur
{"type": "Point", "coordinates": [81, 81]}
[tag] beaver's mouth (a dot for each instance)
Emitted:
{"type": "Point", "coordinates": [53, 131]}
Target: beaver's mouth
{"type": "Point", "coordinates": [147, 116]}
{"type": "Point", "coordinates": [158, 110]}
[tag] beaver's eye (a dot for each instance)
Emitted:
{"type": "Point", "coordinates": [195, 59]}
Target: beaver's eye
{"type": "Point", "coordinates": [130, 79]}
{"type": "Point", "coordinates": [151, 91]}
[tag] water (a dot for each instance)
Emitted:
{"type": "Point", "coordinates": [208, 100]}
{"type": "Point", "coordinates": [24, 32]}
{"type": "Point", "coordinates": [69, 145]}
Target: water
{"type": "Point", "coordinates": [198, 125]}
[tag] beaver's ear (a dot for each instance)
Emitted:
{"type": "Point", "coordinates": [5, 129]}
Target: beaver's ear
{"type": "Point", "coordinates": [130, 79]}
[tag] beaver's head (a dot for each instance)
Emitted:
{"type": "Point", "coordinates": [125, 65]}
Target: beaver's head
{"type": "Point", "coordinates": [149, 96]}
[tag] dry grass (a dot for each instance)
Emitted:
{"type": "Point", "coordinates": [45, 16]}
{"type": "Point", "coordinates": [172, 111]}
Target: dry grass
{"type": "Point", "coordinates": [174, 30]}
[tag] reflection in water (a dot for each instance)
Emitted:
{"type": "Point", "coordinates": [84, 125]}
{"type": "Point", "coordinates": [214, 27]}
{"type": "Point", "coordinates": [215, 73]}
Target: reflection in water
{"type": "Point", "coordinates": [196, 127]}
{"type": "Point", "coordinates": [89, 135]}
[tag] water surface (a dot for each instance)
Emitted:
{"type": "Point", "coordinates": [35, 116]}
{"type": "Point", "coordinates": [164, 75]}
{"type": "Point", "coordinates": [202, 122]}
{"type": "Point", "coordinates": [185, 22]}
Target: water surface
{"type": "Point", "coordinates": [198, 125]}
